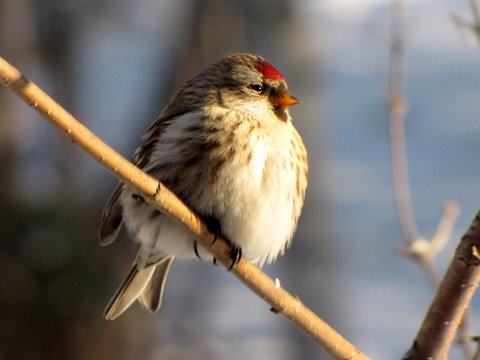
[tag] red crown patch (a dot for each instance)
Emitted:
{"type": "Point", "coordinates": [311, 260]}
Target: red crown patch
{"type": "Point", "coordinates": [269, 72]}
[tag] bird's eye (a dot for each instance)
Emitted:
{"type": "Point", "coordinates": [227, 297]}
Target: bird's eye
{"type": "Point", "coordinates": [256, 87]}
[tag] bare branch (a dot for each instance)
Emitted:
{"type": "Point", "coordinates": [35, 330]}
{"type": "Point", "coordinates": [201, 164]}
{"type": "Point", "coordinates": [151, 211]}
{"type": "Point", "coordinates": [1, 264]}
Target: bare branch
{"type": "Point", "coordinates": [475, 11]}
{"type": "Point", "coordinates": [425, 250]}
{"type": "Point", "coordinates": [474, 26]}
{"type": "Point", "coordinates": [453, 296]}
{"type": "Point", "coordinates": [460, 22]}
{"type": "Point", "coordinates": [158, 196]}
{"type": "Point", "coordinates": [419, 249]}
{"type": "Point", "coordinates": [397, 109]}
{"type": "Point", "coordinates": [445, 227]}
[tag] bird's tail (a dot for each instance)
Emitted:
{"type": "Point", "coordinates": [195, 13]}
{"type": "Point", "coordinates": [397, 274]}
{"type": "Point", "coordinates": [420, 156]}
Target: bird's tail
{"type": "Point", "coordinates": [146, 285]}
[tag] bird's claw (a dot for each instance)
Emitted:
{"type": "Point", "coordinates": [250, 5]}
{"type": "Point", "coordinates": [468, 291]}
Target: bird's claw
{"type": "Point", "coordinates": [195, 249]}
{"type": "Point", "coordinates": [214, 226]}
{"type": "Point", "coordinates": [235, 255]}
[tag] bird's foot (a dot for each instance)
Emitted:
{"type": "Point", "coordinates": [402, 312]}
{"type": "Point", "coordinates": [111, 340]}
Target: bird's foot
{"type": "Point", "coordinates": [195, 249]}
{"type": "Point", "coordinates": [214, 227]}
{"type": "Point", "coordinates": [235, 255]}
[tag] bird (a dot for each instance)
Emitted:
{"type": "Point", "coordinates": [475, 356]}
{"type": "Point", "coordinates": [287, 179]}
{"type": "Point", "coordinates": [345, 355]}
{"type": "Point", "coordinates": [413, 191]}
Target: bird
{"type": "Point", "coordinates": [226, 145]}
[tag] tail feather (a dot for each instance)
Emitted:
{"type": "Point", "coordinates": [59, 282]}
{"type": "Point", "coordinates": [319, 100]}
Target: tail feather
{"type": "Point", "coordinates": [151, 296]}
{"type": "Point", "coordinates": [129, 291]}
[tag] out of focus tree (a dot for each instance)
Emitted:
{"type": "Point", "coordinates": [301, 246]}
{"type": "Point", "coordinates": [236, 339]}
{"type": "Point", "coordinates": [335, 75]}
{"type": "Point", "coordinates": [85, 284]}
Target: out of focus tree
{"type": "Point", "coordinates": [50, 298]}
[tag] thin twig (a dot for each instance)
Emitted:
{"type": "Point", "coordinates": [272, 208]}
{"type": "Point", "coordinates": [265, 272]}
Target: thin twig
{"type": "Point", "coordinates": [475, 11]}
{"type": "Point", "coordinates": [473, 26]}
{"type": "Point", "coordinates": [397, 109]}
{"type": "Point", "coordinates": [418, 249]}
{"type": "Point", "coordinates": [453, 296]}
{"type": "Point", "coordinates": [400, 171]}
{"type": "Point", "coordinates": [425, 251]}
{"type": "Point", "coordinates": [158, 196]}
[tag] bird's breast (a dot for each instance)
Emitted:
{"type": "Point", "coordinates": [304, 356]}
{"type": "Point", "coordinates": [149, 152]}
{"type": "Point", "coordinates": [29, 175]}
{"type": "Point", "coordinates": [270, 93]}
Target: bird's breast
{"type": "Point", "coordinates": [254, 200]}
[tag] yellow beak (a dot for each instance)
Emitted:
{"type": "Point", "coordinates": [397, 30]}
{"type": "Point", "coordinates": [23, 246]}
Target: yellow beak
{"type": "Point", "coordinates": [283, 100]}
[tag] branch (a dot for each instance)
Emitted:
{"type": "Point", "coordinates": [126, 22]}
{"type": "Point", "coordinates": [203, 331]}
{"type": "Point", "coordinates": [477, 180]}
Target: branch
{"type": "Point", "coordinates": [474, 26]}
{"type": "Point", "coordinates": [451, 301]}
{"type": "Point", "coordinates": [427, 250]}
{"type": "Point", "coordinates": [397, 110]}
{"type": "Point", "coordinates": [158, 196]}
{"type": "Point", "coordinates": [419, 249]}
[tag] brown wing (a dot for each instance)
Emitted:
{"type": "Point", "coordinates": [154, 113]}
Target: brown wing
{"type": "Point", "coordinates": [112, 213]}
{"type": "Point", "coordinates": [111, 218]}
{"type": "Point", "coordinates": [153, 134]}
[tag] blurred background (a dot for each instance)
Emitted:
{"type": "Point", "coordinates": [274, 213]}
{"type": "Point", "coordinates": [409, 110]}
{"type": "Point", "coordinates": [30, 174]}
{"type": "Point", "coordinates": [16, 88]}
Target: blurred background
{"type": "Point", "coordinates": [114, 64]}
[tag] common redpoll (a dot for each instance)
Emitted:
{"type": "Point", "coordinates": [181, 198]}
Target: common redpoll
{"type": "Point", "coordinates": [225, 144]}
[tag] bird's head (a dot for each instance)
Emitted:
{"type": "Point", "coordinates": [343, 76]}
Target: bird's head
{"type": "Point", "coordinates": [250, 83]}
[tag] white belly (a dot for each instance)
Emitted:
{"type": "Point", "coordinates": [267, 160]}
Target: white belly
{"type": "Point", "coordinates": [258, 214]}
{"type": "Point", "coordinates": [253, 197]}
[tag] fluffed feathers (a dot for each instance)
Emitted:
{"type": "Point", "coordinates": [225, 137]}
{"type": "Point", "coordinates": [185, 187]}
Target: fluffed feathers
{"type": "Point", "coordinates": [225, 144]}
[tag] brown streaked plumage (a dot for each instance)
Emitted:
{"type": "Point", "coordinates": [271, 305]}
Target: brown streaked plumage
{"type": "Point", "coordinates": [226, 145]}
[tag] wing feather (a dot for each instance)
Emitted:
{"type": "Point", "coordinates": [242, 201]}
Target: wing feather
{"type": "Point", "coordinates": [111, 218]}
